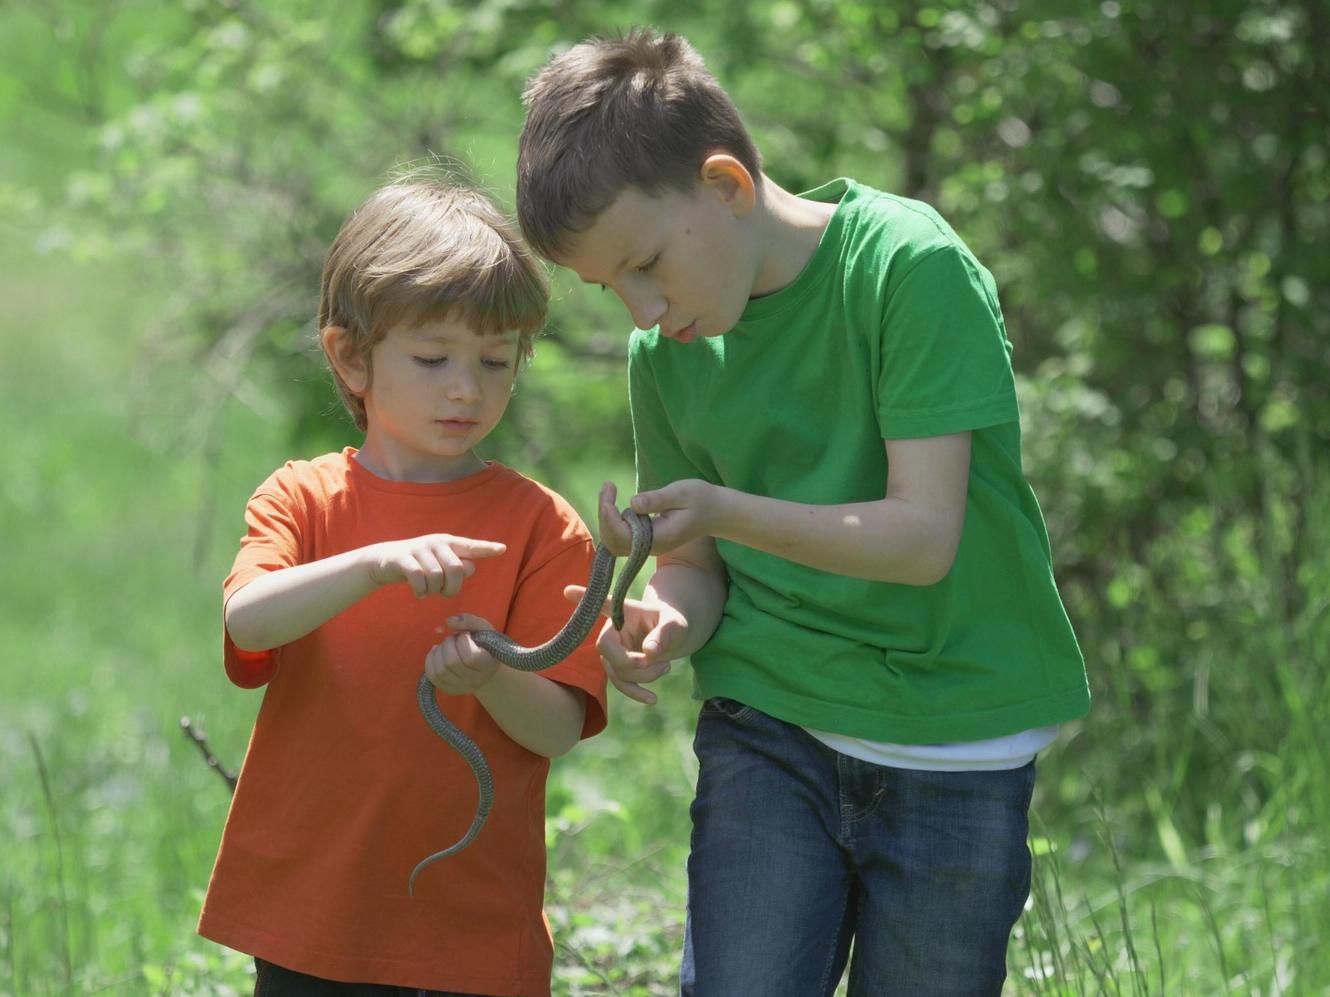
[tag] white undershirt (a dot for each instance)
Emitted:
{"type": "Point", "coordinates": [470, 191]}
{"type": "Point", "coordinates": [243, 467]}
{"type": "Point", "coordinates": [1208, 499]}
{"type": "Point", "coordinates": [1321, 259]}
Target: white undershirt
{"type": "Point", "coordinates": [1009, 752]}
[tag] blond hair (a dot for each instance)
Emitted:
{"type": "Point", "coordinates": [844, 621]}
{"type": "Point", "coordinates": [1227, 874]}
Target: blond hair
{"type": "Point", "coordinates": [420, 250]}
{"type": "Point", "coordinates": [640, 110]}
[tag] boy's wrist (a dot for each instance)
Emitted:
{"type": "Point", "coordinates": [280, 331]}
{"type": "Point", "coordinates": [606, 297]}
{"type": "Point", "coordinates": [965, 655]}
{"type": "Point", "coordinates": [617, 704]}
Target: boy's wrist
{"type": "Point", "coordinates": [723, 511]}
{"type": "Point", "coordinates": [365, 562]}
{"type": "Point", "coordinates": [372, 565]}
{"type": "Point", "coordinates": [488, 684]}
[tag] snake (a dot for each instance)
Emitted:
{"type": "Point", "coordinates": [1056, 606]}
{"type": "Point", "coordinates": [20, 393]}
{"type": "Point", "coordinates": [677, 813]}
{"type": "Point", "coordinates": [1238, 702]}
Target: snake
{"type": "Point", "coordinates": [533, 659]}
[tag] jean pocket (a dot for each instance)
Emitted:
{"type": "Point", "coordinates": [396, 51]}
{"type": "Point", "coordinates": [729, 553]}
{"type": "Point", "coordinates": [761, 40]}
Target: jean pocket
{"type": "Point", "coordinates": [730, 709]}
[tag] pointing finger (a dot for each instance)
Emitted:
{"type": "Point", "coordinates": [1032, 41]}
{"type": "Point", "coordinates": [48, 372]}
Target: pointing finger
{"type": "Point", "coordinates": [477, 548]}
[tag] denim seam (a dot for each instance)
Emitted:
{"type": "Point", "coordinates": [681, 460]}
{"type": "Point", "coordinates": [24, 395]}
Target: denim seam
{"type": "Point", "coordinates": [846, 808]}
{"type": "Point", "coordinates": [850, 814]}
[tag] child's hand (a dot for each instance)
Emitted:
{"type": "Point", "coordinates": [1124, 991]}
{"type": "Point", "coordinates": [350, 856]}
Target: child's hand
{"type": "Point", "coordinates": [434, 564]}
{"type": "Point", "coordinates": [457, 666]}
{"type": "Point", "coordinates": [642, 652]}
{"type": "Point", "coordinates": [614, 530]}
{"type": "Point", "coordinates": [684, 510]}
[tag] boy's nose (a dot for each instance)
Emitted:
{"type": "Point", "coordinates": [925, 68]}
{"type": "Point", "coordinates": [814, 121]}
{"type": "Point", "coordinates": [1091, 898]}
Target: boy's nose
{"type": "Point", "coordinates": [647, 312]}
{"type": "Point", "coordinates": [463, 386]}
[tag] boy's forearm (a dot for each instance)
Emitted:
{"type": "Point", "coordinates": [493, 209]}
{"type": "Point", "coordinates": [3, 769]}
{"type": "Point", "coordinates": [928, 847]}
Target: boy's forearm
{"type": "Point", "coordinates": [538, 713]}
{"type": "Point", "coordinates": [696, 592]}
{"type": "Point", "coordinates": [888, 540]}
{"type": "Point", "coordinates": [285, 605]}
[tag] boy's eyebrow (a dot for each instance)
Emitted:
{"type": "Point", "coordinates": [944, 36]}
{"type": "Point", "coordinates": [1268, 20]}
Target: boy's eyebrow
{"type": "Point", "coordinates": [622, 263]}
{"type": "Point", "coordinates": [505, 337]}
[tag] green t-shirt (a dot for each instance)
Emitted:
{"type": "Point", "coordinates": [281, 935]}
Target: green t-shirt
{"type": "Point", "coordinates": [892, 331]}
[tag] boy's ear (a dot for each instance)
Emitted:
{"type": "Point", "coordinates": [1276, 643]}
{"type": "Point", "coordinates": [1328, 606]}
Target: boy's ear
{"type": "Point", "coordinates": [731, 180]}
{"type": "Point", "coordinates": [349, 362]}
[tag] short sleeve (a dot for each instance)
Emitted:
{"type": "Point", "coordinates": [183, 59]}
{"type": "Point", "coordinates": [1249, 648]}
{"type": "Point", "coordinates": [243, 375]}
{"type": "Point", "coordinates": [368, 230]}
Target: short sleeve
{"type": "Point", "coordinates": [945, 359]}
{"type": "Point", "coordinates": [660, 459]}
{"type": "Point", "coordinates": [272, 542]}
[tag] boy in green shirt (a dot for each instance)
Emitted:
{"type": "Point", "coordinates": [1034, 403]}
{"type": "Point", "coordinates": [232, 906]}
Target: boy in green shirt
{"type": "Point", "coordinates": [827, 433]}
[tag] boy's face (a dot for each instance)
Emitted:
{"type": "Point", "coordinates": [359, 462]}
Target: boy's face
{"type": "Point", "coordinates": [433, 392]}
{"type": "Point", "coordinates": [681, 261]}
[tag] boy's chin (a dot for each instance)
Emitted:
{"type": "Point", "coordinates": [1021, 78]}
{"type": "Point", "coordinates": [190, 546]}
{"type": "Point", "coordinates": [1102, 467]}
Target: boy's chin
{"type": "Point", "coordinates": [711, 330]}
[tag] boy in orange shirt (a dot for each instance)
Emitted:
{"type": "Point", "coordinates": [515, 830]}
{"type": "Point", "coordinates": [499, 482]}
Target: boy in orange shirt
{"type": "Point", "coordinates": [429, 305]}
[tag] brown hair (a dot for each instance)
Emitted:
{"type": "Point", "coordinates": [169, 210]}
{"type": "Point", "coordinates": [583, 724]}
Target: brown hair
{"type": "Point", "coordinates": [640, 110]}
{"type": "Point", "coordinates": [419, 250]}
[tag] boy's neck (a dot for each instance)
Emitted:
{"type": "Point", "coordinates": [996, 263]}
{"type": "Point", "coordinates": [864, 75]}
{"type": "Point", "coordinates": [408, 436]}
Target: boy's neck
{"type": "Point", "coordinates": [789, 229]}
{"type": "Point", "coordinates": [391, 464]}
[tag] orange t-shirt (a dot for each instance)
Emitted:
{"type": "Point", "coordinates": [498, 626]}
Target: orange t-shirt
{"type": "Point", "coordinates": [344, 787]}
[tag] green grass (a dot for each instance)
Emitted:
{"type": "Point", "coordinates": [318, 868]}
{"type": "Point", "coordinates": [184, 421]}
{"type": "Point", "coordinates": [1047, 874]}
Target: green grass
{"type": "Point", "coordinates": [113, 550]}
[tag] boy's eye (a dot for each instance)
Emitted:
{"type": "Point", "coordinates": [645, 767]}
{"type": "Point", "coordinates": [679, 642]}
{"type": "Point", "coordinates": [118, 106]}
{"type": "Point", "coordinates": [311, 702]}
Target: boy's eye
{"type": "Point", "coordinates": [649, 264]}
{"type": "Point", "coordinates": [503, 364]}
{"type": "Point", "coordinates": [429, 361]}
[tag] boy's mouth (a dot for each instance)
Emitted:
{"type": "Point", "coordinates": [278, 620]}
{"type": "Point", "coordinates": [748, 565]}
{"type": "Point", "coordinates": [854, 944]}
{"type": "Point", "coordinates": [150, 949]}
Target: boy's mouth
{"type": "Point", "coordinates": [685, 335]}
{"type": "Point", "coordinates": [456, 425]}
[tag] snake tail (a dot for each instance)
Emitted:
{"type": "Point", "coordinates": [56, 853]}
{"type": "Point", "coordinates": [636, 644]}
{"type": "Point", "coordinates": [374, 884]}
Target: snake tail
{"type": "Point", "coordinates": [468, 749]}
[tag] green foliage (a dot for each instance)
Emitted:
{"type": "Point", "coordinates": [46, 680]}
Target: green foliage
{"type": "Point", "coordinates": [1147, 181]}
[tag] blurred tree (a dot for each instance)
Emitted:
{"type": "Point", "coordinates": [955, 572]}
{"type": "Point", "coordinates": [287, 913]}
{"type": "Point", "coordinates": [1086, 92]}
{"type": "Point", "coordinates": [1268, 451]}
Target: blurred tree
{"type": "Point", "coordinates": [1148, 182]}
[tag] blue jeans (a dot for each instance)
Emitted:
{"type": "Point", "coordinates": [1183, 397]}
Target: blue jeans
{"type": "Point", "coordinates": [797, 850]}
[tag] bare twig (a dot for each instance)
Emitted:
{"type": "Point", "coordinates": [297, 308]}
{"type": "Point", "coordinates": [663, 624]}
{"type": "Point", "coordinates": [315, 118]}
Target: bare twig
{"type": "Point", "coordinates": [201, 742]}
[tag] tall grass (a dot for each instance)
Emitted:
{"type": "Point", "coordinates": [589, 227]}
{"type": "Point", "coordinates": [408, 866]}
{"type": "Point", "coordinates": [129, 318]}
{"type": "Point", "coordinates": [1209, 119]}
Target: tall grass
{"type": "Point", "coordinates": [1146, 882]}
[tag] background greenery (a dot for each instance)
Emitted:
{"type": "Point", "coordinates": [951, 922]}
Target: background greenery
{"type": "Point", "coordinates": [1147, 180]}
